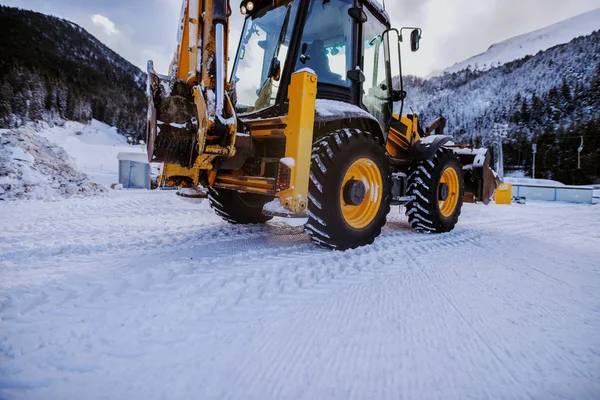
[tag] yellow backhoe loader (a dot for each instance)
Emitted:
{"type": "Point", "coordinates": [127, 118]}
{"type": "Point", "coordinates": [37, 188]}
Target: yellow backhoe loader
{"type": "Point", "coordinates": [305, 125]}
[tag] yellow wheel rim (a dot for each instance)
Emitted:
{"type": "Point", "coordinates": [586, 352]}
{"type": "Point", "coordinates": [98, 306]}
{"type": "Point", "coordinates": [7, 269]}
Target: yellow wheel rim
{"type": "Point", "coordinates": [361, 215]}
{"type": "Point", "coordinates": [450, 178]}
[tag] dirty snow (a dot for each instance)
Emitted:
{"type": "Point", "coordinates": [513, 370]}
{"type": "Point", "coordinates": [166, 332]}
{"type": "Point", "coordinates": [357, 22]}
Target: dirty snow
{"type": "Point", "coordinates": [142, 296]}
{"type": "Point", "coordinates": [33, 168]}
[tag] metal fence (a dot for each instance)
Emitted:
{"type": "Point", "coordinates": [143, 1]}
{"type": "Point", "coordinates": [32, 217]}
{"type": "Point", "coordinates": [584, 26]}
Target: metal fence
{"type": "Point", "coordinates": [569, 194]}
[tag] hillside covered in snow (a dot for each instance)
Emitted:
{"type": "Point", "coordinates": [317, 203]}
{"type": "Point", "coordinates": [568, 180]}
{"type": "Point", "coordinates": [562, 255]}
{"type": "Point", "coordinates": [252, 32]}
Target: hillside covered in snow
{"type": "Point", "coordinates": [531, 43]}
{"type": "Point", "coordinates": [52, 69]}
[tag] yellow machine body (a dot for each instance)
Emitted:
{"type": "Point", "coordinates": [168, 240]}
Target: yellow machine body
{"type": "Point", "coordinates": [269, 152]}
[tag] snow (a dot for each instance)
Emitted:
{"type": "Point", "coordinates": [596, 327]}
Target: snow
{"type": "Point", "coordinates": [94, 148]}
{"type": "Point", "coordinates": [289, 161]}
{"type": "Point", "coordinates": [533, 182]}
{"type": "Point", "coordinates": [137, 157]}
{"type": "Point", "coordinates": [274, 206]}
{"type": "Point", "coordinates": [428, 139]}
{"type": "Point", "coordinates": [33, 168]}
{"type": "Point", "coordinates": [533, 42]}
{"type": "Point", "coordinates": [331, 109]}
{"type": "Point", "coordinates": [309, 70]}
{"type": "Point", "coordinates": [140, 295]}
{"type": "Point", "coordinates": [178, 126]}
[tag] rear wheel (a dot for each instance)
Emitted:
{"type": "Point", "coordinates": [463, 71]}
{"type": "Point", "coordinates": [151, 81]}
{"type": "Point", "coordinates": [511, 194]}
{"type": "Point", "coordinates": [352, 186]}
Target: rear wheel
{"type": "Point", "coordinates": [238, 208]}
{"type": "Point", "coordinates": [349, 189]}
{"type": "Point", "coordinates": [437, 189]}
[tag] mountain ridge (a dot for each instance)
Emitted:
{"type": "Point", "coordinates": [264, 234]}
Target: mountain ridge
{"type": "Point", "coordinates": [531, 43]}
{"type": "Point", "coordinates": [52, 69]}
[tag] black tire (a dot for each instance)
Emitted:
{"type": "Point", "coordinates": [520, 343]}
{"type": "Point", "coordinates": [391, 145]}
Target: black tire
{"type": "Point", "coordinates": [238, 208]}
{"type": "Point", "coordinates": [332, 156]}
{"type": "Point", "coordinates": [423, 211]}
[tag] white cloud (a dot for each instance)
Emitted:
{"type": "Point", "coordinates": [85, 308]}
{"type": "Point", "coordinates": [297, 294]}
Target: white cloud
{"type": "Point", "coordinates": [105, 23]}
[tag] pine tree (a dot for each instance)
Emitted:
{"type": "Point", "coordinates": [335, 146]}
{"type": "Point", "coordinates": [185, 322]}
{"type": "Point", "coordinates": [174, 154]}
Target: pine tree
{"type": "Point", "coordinates": [524, 114]}
{"type": "Point", "coordinates": [594, 91]}
{"type": "Point", "coordinates": [6, 92]}
{"type": "Point", "coordinates": [49, 100]}
{"type": "Point", "coordinates": [566, 98]}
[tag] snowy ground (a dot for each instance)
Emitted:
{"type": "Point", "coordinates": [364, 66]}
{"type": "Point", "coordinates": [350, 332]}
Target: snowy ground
{"type": "Point", "coordinates": [93, 147]}
{"type": "Point", "coordinates": [142, 296]}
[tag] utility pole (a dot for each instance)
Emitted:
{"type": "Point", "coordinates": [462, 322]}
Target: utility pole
{"type": "Point", "coordinates": [534, 149]}
{"type": "Point", "coordinates": [579, 150]}
{"type": "Point", "coordinates": [500, 131]}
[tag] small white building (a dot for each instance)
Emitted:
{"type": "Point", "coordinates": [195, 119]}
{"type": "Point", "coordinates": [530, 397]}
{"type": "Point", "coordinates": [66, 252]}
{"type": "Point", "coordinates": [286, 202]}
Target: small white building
{"type": "Point", "coordinates": [134, 170]}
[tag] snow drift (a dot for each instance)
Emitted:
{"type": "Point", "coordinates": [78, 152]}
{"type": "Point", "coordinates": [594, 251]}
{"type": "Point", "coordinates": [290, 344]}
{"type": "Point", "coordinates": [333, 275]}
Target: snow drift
{"type": "Point", "coordinates": [31, 167]}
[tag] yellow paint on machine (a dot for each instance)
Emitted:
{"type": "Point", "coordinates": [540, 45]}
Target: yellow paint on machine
{"type": "Point", "coordinates": [299, 134]}
{"type": "Point", "coordinates": [504, 193]}
{"type": "Point", "coordinates": [450, 178]}
{"type": "Point", "coordinates": [361, 215]}
{"type": "Point", "coordinates": [398, 143]}
{"type": "Point", "coordinates": [176, 170]}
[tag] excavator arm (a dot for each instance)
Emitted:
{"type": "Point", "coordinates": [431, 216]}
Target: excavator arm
{"type": "Point", "coordinates": [191, 118]}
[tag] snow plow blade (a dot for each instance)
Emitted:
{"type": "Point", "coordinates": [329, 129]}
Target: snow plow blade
{"type": "Point", "coordinates": [480, 179]}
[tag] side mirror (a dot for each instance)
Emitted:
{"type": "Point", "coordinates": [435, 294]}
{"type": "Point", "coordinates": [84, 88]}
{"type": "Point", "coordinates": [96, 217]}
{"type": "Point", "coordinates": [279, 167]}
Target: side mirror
{"type": "Point", "coordinates": [398, 95]}
{"type": "Point", "coordinates": [303, 56]}
{"type": "Point", "coordinates": [415, 37]}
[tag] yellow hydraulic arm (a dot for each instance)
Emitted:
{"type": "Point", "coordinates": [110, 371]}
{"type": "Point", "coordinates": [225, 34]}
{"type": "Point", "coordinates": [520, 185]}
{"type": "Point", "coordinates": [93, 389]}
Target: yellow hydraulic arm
{"type": "Point", "coordinates": [191, 119]}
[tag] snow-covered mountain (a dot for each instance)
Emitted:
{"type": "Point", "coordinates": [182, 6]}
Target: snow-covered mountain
{"type": "Point", "coordinates": [52, 69]}
{"type": "Point", "coordinates": [551, 99]}
{"type": "Point", "coordinates": [532, 43]}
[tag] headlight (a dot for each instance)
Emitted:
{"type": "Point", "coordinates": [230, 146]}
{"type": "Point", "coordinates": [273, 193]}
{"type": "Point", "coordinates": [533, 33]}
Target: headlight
{"type": "Point", "coordinates": [243, 10]}
{"type": "Point", "coordinates": [250, 6]}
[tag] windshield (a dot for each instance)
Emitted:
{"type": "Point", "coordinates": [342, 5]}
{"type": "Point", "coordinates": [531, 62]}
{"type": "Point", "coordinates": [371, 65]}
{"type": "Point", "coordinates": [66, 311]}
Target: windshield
{"type": "Point", "coordinates": [261, 56]}
{"type": "Point", "coordinates": [328, 36]}
{"type": "Point", "coordinates": [375, 88]}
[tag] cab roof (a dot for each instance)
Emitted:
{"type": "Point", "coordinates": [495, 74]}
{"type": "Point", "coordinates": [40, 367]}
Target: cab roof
{"type": "Point", "coordinates": [383, 14]}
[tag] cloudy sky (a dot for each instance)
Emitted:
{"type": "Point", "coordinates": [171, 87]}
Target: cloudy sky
{"type": "Point", "coordinates": [453, 30]}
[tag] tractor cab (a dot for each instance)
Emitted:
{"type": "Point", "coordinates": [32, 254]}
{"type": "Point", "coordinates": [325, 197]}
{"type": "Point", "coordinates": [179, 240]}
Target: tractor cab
{"type": "Point", "coordinates": [346, 43]}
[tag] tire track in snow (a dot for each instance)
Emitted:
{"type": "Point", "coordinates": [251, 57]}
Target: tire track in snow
{"type": "Point", "coordinates": [458, 312]}
{"type": "Point", "coordinates": [234, 278]}
{"type": "Point", "coordinates": [269, 313]}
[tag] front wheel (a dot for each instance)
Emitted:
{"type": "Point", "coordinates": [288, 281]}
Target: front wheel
{"type": "Point", "coordinates": [349, 189]}
{"type": "Point", "coordinates": [437, 189]}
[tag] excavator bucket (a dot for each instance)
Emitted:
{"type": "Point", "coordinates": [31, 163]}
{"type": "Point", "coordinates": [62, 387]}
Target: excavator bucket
{"type": "Point", "coordinates": [171, 134]}
{"type": "Point", "coordinates": [480, 179]}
